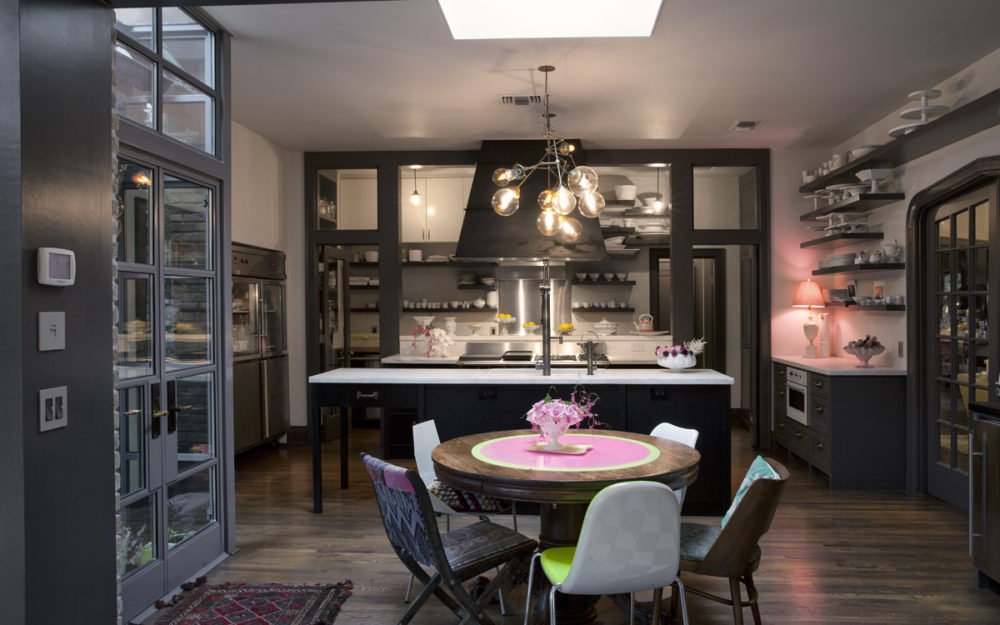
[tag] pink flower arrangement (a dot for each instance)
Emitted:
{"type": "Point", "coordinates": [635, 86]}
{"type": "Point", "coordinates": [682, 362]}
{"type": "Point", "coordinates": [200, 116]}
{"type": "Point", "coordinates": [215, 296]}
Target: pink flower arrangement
{"type": "Point", "coordinates": [556, 416]}
{"type": "Point", "coordinates": [693, 347]}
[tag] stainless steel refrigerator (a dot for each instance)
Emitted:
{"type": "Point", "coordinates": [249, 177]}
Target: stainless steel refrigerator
{"type": "Point", "coordinates": [260, 356]}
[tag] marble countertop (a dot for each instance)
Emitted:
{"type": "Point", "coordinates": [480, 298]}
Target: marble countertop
{"type": "Point", "coordinates": [452, 361]}
{"type": "Point", "coordinates": [836, 366]}
{"type": "Point", "coordinates": [517, 375]}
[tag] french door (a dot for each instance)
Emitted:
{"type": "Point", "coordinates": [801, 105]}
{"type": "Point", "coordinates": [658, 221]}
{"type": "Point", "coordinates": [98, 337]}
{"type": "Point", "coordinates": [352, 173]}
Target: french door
{"type": "Point", "coordinates": [962, 275]}
{"type": "Point", "coordinates": [168, 366]}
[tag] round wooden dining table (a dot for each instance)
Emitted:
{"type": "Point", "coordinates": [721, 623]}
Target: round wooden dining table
{"type": "Point", "coordinates": [500, 464]}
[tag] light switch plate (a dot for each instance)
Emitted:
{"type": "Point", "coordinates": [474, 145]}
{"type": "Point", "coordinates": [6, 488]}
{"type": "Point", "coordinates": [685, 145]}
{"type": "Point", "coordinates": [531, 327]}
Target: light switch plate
{"type": "Point", "coordinates": [51, 331]}
{"type": "Point", "coordinates": [53, 408]}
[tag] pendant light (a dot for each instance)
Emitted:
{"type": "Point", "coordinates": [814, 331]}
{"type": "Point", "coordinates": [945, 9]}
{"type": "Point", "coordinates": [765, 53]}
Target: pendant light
{"type": "Point", "coordinates": [415, 196]}
{"type": "Point", "coordinates": [570, 186]}
{"type": "Point", "coordinates": [658, 202]}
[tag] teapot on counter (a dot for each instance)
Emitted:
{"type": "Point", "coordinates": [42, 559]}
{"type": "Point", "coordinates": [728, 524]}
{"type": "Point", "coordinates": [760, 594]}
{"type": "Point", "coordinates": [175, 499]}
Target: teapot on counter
{"type": "Point", "coordinates": [645, 323]}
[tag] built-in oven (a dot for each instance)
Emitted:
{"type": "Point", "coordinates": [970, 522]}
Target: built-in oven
{"type": "Point", "coordinates": [797, 395]}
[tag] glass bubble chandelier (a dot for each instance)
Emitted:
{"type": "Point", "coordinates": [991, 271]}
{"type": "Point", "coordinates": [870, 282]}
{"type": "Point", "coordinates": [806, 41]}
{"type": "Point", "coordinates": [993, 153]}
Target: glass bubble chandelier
{"type": "Point", "coordinates": [570, 188]}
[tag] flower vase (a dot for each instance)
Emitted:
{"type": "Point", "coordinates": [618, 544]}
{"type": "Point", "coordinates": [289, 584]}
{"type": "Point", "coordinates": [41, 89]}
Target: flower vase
{"type": "Point", "coordinates": [677, 363]}
{"type": "Point", "coordinates": [554, 444]}
{"type": "Point", "coordinates": [450, 325]}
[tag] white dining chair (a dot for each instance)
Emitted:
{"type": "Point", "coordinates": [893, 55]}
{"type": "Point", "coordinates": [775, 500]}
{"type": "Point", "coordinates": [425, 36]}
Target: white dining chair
{"type": "Point", "coordinates": [685, 436]}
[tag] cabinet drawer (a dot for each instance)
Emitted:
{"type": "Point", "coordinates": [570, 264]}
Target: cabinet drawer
{"type": "Point", "coordinates": [819, 385]}
{"type": "Point", "coordinates": [792, 436]}
{"type": "Point", "coordinates": [780, 401]}
{"type": "Point", "coordinates": [819, 414]}
{"type": "Point", "coordinates": [818, 453]}
{"type": "Point", "coordinates": [780, 372]}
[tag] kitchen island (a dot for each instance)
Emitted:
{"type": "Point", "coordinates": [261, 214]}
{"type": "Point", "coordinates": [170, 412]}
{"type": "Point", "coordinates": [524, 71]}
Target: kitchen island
{"type": "Point", "coordinates": [465, 401]}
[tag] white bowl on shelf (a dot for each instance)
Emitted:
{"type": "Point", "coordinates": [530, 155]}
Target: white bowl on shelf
{"type": "Point", "coordinates": [856, 153]}
{"type": "Point", "coordinates": [625, 191]}
{"type": "Point", "coordinates": [424, 320]}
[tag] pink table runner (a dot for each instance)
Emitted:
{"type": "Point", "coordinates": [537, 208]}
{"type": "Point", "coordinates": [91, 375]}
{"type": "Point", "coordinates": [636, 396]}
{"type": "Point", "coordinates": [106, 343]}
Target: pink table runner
{"type": "Point", "coordinates": [606, 453]}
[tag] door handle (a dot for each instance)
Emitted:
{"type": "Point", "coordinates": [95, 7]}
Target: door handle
{"type": "Point", "coordinates": [172, 417]}
{"type": "Point", "coordinates": [819, 409]}
{"type": "Point", "coordinates": [155, 424]}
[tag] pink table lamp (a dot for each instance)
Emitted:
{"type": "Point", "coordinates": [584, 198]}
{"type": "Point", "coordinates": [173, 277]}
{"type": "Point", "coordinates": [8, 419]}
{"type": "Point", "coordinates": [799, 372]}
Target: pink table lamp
{"type": "Point", "coordinates": [809, 295]}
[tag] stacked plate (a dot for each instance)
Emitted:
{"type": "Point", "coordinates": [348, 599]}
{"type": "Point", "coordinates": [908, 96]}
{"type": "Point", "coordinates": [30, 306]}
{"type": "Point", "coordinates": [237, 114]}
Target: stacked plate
{"type": "Point", "coordinates": [922, 113]}
{"type": "Point", "coordinates": [837, 260]}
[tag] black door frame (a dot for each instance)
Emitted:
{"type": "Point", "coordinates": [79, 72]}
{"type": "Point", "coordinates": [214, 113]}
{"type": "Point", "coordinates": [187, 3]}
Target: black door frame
{"type": "Point", "coordinates": [978, 173]}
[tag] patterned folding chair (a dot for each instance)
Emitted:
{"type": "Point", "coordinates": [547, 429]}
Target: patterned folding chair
{"type": "Point", "coordinates": [453, 557]}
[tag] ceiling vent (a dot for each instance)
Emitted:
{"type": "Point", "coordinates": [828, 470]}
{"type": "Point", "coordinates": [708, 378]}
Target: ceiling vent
{"type": "Point", "coordinates": [745, 125]}
{"type": "Point", "coordinates": [520, 100]}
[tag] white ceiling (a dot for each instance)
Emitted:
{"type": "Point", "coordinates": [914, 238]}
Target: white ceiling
{"type": "Point", "coordinates": [388, 76]}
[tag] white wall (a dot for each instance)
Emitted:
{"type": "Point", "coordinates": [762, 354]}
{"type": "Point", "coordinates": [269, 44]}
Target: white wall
{"type": "Point", "coordinates": [268, 210]}
{"type": "Point", "coordinates": [790, 264]}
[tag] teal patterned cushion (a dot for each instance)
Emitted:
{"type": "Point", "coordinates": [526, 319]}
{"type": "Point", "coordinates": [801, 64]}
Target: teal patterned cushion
{"type": "Point", "coordinates": [758, 469]}
{"type": "Point", "coordinates": [697, 539]}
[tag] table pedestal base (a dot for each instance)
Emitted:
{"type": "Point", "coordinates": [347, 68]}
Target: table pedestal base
{"type": "Point", "coordinates": [560, 527]}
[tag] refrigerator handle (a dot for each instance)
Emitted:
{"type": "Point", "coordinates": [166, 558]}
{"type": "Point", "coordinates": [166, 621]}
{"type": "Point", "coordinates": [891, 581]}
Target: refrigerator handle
{"type": "Point", "coordinates": [267, 397]}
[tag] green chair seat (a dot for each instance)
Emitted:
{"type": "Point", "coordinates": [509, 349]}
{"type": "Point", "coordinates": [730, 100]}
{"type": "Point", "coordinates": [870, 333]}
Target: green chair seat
{"type": "Point", "coordinates": [556, 563]}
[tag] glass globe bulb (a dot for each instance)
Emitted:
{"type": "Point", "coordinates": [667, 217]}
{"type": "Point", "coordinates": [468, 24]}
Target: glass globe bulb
{"type": "Point", "coordinates": [506, 202]}
{"type": "Point", "coordinates": [658, 206]}
{"type": "Point", "coordinates": [549, 222]}
{"type": "Point", "coordinates": [415, 198]}
{"type": "Point", "coordinates": [502, 176]}
{"type": "Point", "coordinates": [591, 204]}
{"type": "Point", "coordinates": [564, 201]}
{"type": "Point", "coordinates": [547, 200]}
{"type": "Point", "coordinates": [570, 230]}
{"type": "Point", "coordinates": [582, 180]}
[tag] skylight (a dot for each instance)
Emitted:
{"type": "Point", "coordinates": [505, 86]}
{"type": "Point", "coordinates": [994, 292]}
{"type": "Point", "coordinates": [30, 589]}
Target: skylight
{"type": "Point", "coordinates": [532, 19]}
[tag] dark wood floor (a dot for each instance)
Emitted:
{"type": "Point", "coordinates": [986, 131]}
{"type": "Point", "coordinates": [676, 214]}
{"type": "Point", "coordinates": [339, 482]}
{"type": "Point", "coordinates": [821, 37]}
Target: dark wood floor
{"type": "Point", "coordinates": [830, 557]}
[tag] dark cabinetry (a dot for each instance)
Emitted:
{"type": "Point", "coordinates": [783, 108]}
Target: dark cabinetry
{"type": "Point", "coordinates": [855, 430]}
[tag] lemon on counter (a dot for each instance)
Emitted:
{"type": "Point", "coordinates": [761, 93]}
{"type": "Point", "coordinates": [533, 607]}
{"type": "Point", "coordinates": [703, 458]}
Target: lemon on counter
{"type": "Point", "coordinates": [530, 324]}
{"type": "Point", "coordinates": [565, 326]}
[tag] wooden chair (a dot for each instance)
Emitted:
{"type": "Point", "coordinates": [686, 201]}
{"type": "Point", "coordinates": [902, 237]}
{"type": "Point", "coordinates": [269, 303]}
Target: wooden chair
{"type": "Point", "coordinates": [425, 439]}
{"type": "Point", "coordinates": [453, 557]}
{"type": "Point", "coordinates": [731, 550]}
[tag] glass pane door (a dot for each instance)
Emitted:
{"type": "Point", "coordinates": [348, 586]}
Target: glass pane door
{"type": "Point", "coordinates": [959, 303]}
{"type": "Point", "coordinates": [168, 376]}
{"type": "Point", "coordinates": [272, 311]}
{"type": "Point", "coordinates": [246, 325]}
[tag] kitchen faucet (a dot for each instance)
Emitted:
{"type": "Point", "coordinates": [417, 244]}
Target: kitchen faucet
{"type": "Point", "coordinates": [588, 348]}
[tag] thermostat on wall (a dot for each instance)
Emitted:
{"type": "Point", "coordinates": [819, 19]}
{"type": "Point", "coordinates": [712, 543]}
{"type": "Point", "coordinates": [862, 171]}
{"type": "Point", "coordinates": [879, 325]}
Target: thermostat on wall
{"type": "Point", "coordinates": [56, 267]}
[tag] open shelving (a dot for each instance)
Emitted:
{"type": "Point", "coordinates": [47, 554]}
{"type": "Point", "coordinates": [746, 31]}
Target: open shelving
{"type": "Point", "coordinates": [863, 203]}
{"type": "Point", "coordinates": [843, 239]}
{"type": "Point", "coordinates": [965, 121]}
{"type": "Point", "coordinates": [890, 307]}
{"type": "Point", "coordinates": [858, 268]}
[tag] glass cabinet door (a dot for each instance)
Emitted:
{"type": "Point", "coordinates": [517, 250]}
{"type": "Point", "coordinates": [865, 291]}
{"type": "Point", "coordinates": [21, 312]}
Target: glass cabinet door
{"type": "Point", "coordinates": [272, 310]}
{"type": "Point", "coordinates": [246, 325]}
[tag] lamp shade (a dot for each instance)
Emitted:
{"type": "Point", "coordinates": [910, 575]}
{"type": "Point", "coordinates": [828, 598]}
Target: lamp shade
{"type": "Point", "coordinates": [808, 295]}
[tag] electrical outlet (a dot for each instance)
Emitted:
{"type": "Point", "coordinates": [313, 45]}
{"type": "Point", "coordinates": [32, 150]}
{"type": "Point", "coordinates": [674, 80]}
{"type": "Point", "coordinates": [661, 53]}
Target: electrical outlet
{"type": "Point", "coordinates": [53, 408]}
{"type": "Point", "coordinates": [899, 349]}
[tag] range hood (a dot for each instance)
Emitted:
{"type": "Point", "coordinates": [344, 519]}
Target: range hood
{"type": "Point", "coordinates": [487, 236]}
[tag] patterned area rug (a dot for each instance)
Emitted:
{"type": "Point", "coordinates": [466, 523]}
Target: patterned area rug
{"type": "Point", "coordinates": [258, 604]}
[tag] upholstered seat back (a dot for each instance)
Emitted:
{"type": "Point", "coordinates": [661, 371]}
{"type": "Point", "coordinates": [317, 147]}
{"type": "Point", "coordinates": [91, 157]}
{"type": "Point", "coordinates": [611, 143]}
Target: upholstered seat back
{"type": "Point", "coordinates": [396, 490]}
{"type": "Point", "coordinates": [630, 541]}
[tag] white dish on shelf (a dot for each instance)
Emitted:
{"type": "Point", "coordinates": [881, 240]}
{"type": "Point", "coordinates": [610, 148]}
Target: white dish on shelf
{"type": "Point", "coordinates": [905, 129]}
{"type": "Point", "coordinates": [873, 176]}
{"type": "Point", "coordinates": [614, 248]}
{"type": "Point", "coordinates": [862, 150]}
{"type": "Point", "coordinates": [649, 332]}
{"type": "Point", "coordinates": [929, 94]}
{"type": "Point", "coordinates": [924, 112]}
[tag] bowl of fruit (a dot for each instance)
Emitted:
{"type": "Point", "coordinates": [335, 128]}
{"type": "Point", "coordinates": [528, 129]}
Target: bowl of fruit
{"type": "Point", "coordinates": [530, 327]}
{"type": "Point", "coordinates": [565, 329]}
{"type": "Point", "coordinates": [864, 349]}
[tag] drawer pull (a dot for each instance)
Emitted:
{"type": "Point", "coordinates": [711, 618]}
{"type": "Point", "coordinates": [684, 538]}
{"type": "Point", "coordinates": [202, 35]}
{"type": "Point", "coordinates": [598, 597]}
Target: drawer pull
{"type": "Point", "coordinates": [781, 426]}
{"type": "Point", "coordinates": [819, 383]}
{"type": "Point", "coordinates": [798, 435]}
{"type": "Point", "coordinates": [820, 445]}
{"type": "Point", "coordinates": [819, 409]}
{"type": "Point", "coordinates": [781, 393]}
{"type": "Point", "coordinates": [360, 395]}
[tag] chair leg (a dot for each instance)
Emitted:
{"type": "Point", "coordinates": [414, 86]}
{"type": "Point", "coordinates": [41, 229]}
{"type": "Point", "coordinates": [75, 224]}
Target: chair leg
{"type": "Point", "coordinates": [678, 590]}
{"type": "Point", "coordinates": [734, 591]}
{"type": "Point", "coordinates": [654, 616]}
{"type": "Point", "coordinates": [409, 589]}
{"type": "Point", "coordinates": [531, 578]}
{"type": "Point", "coordinates": [513, 512]}
{"type": "Point", "coordinates": [752, 597]}
{"type": "Point", "coordinates": [503, 608]}
{"type": "Point", "coordinates": [631, 608]}
{"type": "Point", "coordinates": [552, 605]}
